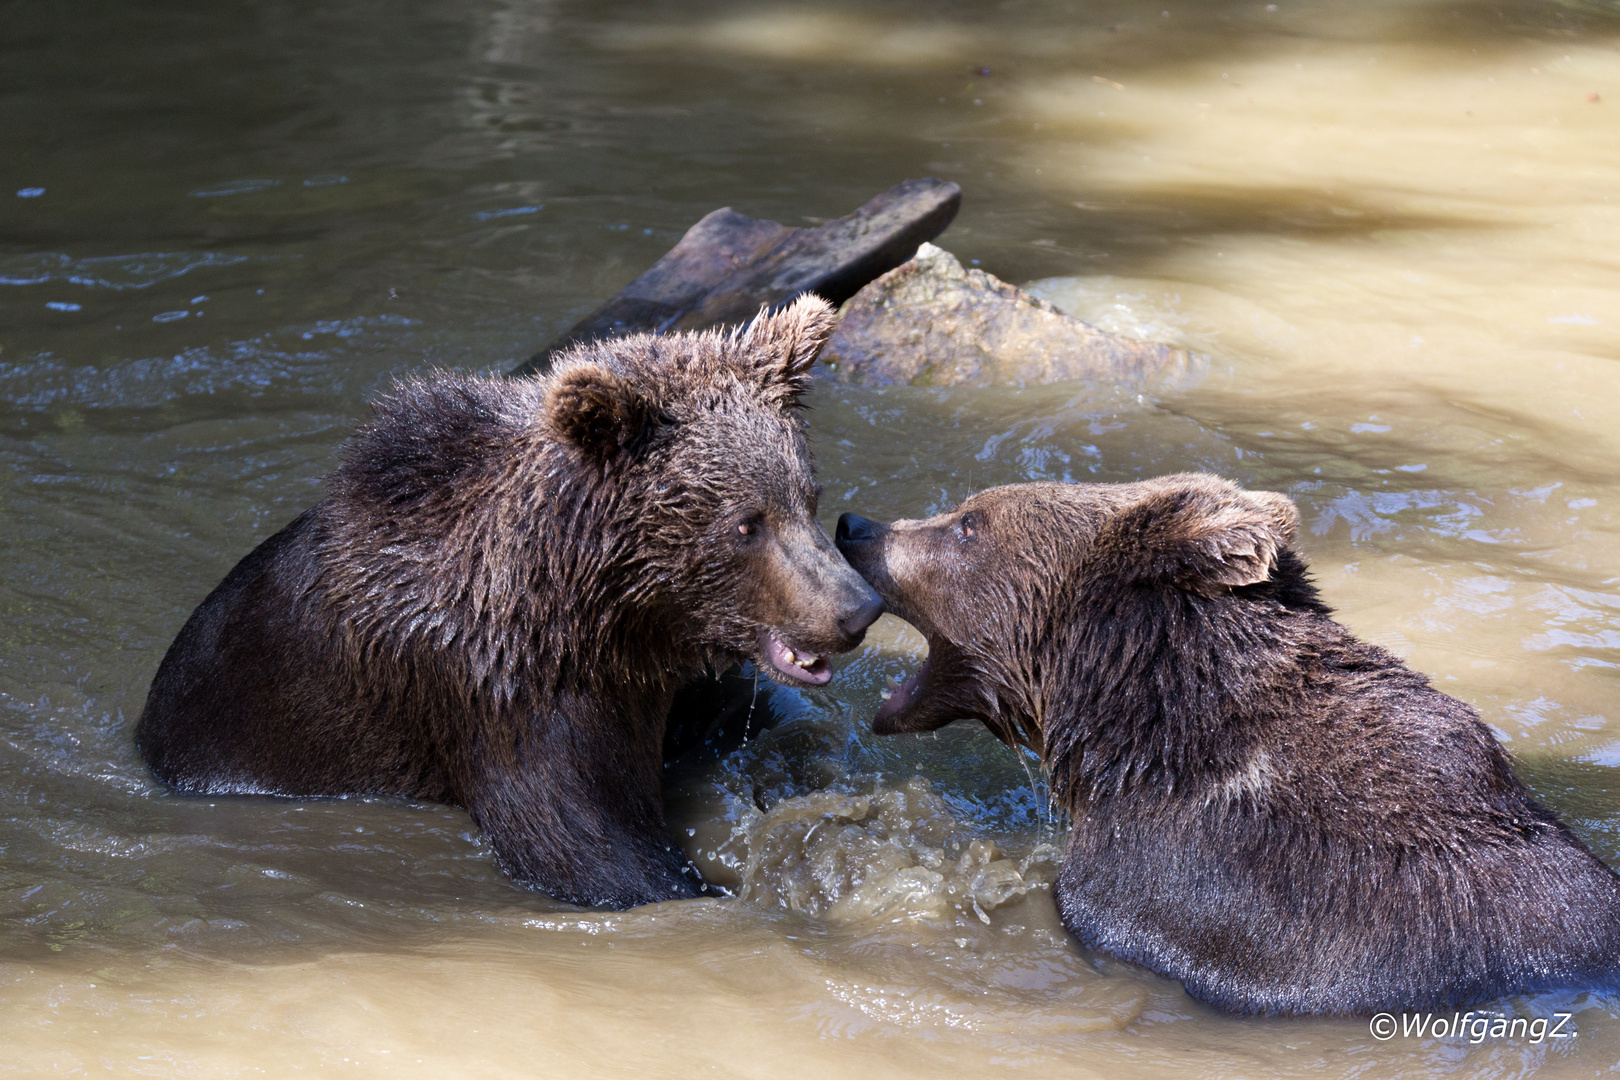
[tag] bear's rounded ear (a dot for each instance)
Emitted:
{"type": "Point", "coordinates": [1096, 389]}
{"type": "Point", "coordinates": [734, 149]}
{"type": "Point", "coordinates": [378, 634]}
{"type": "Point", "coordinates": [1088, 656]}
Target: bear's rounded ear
{"type": "Point", "coordinates": [786, 344]}
{"type": "Point", "coordinates": [1198, 532]}
{"type": "Point", "coordinates": [597, 412]}
{"type": "Point", "coordinates": [1281, 510]}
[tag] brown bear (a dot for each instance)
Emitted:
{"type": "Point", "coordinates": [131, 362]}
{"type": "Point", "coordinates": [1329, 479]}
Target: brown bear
{"type": "Point", "coordinates": [1284, 818]}
{"type": "Point", "coordinates": [503, 590]}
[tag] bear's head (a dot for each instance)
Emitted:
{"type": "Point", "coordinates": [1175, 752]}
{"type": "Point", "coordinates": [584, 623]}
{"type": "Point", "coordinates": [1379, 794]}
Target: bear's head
{"type": "Point", "coordinates": [1034, 596]}
{"type": "Point", "coordinates": [692, 446]}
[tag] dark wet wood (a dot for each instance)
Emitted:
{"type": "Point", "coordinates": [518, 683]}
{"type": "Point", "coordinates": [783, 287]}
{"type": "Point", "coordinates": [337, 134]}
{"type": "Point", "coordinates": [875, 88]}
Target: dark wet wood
{"type": "Point", "coordinates": [729, 265]}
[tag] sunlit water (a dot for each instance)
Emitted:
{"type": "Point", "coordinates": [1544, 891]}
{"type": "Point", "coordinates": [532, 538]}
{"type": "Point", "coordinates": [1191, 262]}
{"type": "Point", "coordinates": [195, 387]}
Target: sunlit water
{"type": "Point", "coordinates": [1390, 231]}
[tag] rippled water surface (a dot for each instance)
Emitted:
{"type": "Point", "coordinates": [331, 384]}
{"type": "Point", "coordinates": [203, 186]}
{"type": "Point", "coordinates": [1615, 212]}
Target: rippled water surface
{"type": "Point", "coordinates": [1390, 231]}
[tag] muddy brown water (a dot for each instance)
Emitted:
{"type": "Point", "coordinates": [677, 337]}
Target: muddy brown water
{"type": "Point", "coordinates": [1389, 230]}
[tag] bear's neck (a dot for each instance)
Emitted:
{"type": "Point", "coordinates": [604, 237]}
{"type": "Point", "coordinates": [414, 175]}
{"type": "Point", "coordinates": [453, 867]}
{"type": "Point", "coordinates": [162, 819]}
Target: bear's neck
{"type": "Point", "coordinates": [1158, 688]}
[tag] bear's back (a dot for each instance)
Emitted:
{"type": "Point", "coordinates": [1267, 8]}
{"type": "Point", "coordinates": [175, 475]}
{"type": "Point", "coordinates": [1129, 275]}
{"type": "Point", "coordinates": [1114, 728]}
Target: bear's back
{"type": "Point", "coordinates": [1362, 845]}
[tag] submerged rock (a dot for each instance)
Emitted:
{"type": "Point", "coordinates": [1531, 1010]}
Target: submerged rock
{"type": "Point", "coordinates": [931, 322]}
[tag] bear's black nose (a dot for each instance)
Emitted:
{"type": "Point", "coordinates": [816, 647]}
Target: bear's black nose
{"type": "Point", "coordinates": [853, 529]}
{"type": "Point", "coordinates": [855, 623]}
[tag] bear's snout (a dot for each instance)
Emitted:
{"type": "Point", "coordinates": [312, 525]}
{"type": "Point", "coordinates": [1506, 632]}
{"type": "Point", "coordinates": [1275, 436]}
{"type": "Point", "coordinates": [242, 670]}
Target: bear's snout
{"type": "Point", "coordinates": [862, 542]}
{"type": "Point", "coordinates": [812, 599]}
{"type": "Point", "coordinates": [854, 622]}
{"type": "Point", "coordinates": [854, 530]}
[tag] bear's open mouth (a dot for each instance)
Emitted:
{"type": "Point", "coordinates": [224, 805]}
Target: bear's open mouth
{"type": "Point", "coordinates": [899, 696]}
{"type": "Point", "coordinates": [800, 667]}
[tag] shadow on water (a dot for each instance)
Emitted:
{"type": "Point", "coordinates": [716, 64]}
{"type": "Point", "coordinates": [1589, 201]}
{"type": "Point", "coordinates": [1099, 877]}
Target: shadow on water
{"type": "Point", "coordinates": [970, 74]}
{"type": "Point", "coordinates": [181, 101]}
{"type": "Point", "coordinates": [1130, 232]}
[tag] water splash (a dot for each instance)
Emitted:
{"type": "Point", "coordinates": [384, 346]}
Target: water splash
{"type": "Point", "coordinates": [891, 855]}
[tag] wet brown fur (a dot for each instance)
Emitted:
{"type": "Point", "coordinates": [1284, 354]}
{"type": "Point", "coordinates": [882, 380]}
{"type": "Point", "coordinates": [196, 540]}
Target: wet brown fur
{"type": "Point", "coordinates": [1279, 815]}
{"type": "Point", "coordinates": [504, 588]}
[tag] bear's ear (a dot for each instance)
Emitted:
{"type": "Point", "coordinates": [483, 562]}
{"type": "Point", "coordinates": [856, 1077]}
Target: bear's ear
{"type": "Point", "coordinates": [786, 343]}
{"type": "Point", "coordinates": [1199, 533]}
{"type": "Point", "coordinates": [598, 412]}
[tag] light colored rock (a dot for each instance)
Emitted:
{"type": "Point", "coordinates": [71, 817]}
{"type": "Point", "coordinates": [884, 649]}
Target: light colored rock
{"type": "Point", "coordinates": [931, 322]}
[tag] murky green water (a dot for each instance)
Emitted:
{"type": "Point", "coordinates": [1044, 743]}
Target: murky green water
{"type": "Point", "coordinates": [1389, 228]}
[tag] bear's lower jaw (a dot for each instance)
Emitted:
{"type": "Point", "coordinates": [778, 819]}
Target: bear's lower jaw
{"type": "Point", "coordinates": [898, 696]}
{"type": "Point", "coordinates": [897, 699]}
{"type": "Point", "coordinates": [798, 667]}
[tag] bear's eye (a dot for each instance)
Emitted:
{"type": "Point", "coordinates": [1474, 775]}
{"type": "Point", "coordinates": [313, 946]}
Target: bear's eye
{"type": "Point", "coordinates": [967, 527]}
{"type": "Point", "coordinates": [749, 528]}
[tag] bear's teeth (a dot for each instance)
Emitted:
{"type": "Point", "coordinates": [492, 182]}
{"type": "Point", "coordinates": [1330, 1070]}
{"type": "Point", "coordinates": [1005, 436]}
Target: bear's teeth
{"type": "Point", "coordinates": [886, 693]}
{"type": "Point", "coordinates": [800, 661]}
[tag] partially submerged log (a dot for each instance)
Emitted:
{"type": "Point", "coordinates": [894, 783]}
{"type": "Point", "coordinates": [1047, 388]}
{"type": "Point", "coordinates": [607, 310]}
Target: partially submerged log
{"type": "Point", "coordinates": [728, 266]}
{"type": "Point", "coordinates": [930, 322]}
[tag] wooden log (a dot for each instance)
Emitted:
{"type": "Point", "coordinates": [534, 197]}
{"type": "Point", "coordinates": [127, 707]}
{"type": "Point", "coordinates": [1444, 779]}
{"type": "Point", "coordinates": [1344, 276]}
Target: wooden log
{"type": "Point", "coordinates": [729, 265]}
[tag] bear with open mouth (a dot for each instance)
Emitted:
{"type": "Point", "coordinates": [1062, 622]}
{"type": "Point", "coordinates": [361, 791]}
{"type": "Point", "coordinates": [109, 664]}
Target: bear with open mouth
{"type": "Point", "coordinates": [506, 585]}
{"type": "Point", "coordinates": [1280, 816]}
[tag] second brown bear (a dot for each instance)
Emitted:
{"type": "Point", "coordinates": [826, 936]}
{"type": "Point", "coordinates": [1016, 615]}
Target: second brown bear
{"type": "Point", "coordinates": [1284, 818]}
